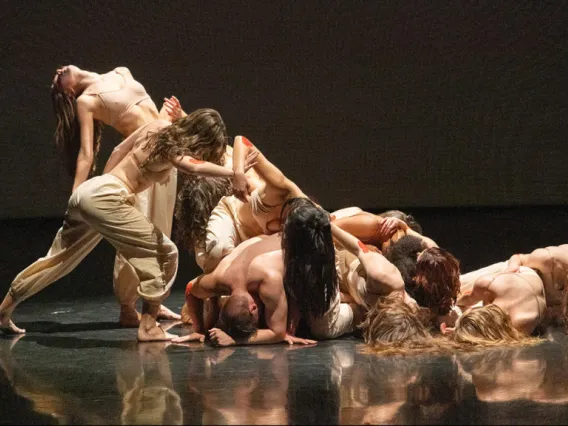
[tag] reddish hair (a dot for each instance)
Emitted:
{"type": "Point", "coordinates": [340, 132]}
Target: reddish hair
{"type": "Point", "coordinates": [437, 279]}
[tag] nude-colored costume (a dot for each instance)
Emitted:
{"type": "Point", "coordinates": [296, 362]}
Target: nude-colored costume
{"type": "Point", "coordinates": [103, 207]}
{"type": "Point", "coordinates": [156, 202]}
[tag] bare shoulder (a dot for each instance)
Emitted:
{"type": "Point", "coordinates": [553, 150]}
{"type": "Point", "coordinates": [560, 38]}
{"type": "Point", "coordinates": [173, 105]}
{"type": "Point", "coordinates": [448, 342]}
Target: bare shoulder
{"type": "Point", "coordinates": [264, 270]}
{"type": "Point", "coordinates": [86, 103]}
{"type": "Point", "coordinates": [540, 259]}
{"type": "Point", "coordinates": [123, 70]}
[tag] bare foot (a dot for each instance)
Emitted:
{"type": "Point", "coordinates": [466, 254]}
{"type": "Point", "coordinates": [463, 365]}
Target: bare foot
{"type": "Point", "coordinates": [167, 314]}
{"type": "Point", "coordinates": [185, 318]}
{"type": "Point", "coordinates": [153, 334]}
{"type": "Point", "coordinates": [129, 317]}
{"type": "Point", "coordinates": [8, 327]}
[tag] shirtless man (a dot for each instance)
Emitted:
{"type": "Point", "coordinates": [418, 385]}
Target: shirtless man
{"type": "Point", "coordinates": [251, 274]}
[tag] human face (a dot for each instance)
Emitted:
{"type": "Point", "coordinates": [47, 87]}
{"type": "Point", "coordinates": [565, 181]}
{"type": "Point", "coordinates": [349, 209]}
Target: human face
{"type": "Point", "coordinates": [65, 79]}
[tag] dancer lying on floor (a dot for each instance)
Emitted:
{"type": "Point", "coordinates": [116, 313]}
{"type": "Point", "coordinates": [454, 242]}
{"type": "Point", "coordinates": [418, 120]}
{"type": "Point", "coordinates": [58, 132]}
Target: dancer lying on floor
{"type": "Point", "coordinates": [84, 102]}
{"type": "Point", "coordinates": [528, 295]}
{"type": "Point", "coordinates": [103, 207]}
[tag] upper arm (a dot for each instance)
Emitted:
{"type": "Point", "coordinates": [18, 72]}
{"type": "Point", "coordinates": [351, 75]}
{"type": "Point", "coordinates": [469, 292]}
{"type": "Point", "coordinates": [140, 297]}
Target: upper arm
{"type": "Point", "coordinates": [85, 107]}
{"type": "Point", "coordinates": [379, 269]}
{"type": "Point", "coordinates": [204, 287]}
{"type": "Point", "coordinates": [271, 292]}
{"type": "Point", "coordinates": [478, 291]}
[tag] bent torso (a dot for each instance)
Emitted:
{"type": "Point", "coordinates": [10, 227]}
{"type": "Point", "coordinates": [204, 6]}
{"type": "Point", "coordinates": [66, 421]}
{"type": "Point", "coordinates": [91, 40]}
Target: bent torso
{"type": "Point", "coordinates": [129, 170]}
{"type": "Point", "coordinates": [121, 102]}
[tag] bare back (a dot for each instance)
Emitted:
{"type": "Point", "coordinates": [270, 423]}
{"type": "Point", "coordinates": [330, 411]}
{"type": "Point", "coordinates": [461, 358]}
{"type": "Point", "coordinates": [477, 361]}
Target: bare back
{"type": "Point", "coordinates": [551, 263]}
{"type": "Point", "coordinates": [239, 267]}
{"type": "Point", "coordinates": [129, 170]}
{"type": "Point", "coordinates": [521, 295]}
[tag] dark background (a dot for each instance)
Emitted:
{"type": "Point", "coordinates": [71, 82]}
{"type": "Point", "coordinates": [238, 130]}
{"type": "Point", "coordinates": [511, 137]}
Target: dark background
{"type": "Point", "coordinates": [454, 111]}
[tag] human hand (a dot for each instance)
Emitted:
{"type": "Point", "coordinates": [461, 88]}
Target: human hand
{"type": "Point", "coordinates": [220, 338]}
{"type": "Point", "coordinates": [193, 337]}
{"type": "Point", "coordinates": [293, 340]}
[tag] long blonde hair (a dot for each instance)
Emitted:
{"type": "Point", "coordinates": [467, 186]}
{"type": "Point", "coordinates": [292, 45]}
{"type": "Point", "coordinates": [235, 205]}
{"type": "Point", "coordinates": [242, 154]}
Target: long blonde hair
{"type": "Point", "coordinates": [489, 325]}
{"type": "Point", "coordinates": [393, 327]}
{"type": "Point", "coordinates": [68, 132]}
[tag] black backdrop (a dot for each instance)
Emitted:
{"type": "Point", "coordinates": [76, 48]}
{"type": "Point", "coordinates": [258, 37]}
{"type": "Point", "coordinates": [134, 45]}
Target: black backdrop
{"type": "Point", "coordinates": [377, 104]}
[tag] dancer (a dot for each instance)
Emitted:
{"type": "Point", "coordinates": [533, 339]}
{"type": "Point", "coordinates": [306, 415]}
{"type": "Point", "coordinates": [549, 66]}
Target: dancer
{"type": "Point", "coordinates": [528, 295]}
{"type": "Point", "coordinates": [275, 271]}
{"type": "Point", "coordinates": [104, 207]}
{"type": "Point", "coordinates": [366, 274]}
{"type": "Point", "coordinates": [84, 102]}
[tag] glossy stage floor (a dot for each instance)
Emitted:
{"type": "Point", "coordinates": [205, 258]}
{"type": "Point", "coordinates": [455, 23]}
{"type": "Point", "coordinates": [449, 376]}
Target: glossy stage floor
{"type": "Point", "coordinates": [76, 366]}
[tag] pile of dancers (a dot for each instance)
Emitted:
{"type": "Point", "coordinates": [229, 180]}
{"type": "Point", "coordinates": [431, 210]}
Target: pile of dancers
{"type": "Point", "coordinates": [272, 258]}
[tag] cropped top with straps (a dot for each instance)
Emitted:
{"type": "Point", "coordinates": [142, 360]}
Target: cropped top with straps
{"type": "Point", "coordinates": [118, 102]}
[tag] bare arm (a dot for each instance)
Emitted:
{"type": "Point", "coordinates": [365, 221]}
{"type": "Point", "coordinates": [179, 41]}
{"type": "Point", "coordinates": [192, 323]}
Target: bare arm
{"type": "Point", "coordinates": [377, 267]}
{"type": "Point", "coordinates": [273, 177]}
{"type": "Point", "coordinates": [477, 293]}
{"type": "Point", "coordinates": [198, 290]}
{"type": "Point", "coordinates": [86, 156]}
{"type": "Point", "coordinates": [118, 154]}
{"type": "Point", "coordinates": [271, 292]}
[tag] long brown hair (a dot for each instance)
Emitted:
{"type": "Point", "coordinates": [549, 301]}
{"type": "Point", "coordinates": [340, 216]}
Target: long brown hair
{"type": "Point", "coordinates": [489, 325]}
{"type": "Point", "coordinates": [68, 132]}
{"type": "Point", "coordinates": [196, 199]}
{"type": "Point", "coordinates": [201, 135]}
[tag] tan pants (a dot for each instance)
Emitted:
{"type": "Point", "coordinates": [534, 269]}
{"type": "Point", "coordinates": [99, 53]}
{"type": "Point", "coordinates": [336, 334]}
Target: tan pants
{"type": "Point", "coordinates": [224, 233]}
{"type": "Point", "coordinates": [337, 321]}
{"type": "Point", "coordinates": [103, 207]}
{"type": "Point", "coordinates": [157, 203]}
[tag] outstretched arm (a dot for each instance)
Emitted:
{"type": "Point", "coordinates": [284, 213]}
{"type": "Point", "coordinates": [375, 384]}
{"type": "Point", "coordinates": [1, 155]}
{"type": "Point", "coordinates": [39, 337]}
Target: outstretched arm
{"type": "Point", "coordinates": [86, 154]}
{"type": "Point", "coordinates": [377, 267]}
{"type": "Point", "coordinates": [191, 165]}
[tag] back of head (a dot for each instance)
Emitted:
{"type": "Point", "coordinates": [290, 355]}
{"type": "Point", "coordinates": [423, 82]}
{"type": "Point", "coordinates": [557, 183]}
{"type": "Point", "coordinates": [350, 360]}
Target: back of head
{"type": "Point", "coordinates": [406, 218]}
{"type": "Point", "coordinates": [437, 280]}
{"type": "Point", "coordinates": [403, 254]}
{"type": "Point", "coordinates": [310, 277]}
{"type": "Point", "coordinates": [392, 325]}
{"type": "Point", "coordinates": [67, 130]}
{"type": "Point", "coordinates": [196, 200]}
{"type": "Point", "coordinates": [488, 326]}
{"type": "Point", "coordinates": [236, 319]}
{"type": "Point", "coordinates": [201, 135]}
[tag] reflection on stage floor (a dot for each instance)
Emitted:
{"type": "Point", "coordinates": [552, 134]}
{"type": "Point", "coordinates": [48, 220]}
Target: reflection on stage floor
{"type": "Point", "coordinates": [75, 365]}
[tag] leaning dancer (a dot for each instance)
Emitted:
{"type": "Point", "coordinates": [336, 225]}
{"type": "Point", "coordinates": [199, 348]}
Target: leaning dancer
{"type": "Point", "coordinates": [104, 207]}
{"type": "Point", "coordinates": [83, 102]}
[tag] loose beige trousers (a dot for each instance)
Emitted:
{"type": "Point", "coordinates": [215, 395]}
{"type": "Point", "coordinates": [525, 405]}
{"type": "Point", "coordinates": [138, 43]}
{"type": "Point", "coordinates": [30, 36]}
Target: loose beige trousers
{"type": "Point", "coordinates": [157, 204]}
{"type": "Point", "coordinates": [103, 207]}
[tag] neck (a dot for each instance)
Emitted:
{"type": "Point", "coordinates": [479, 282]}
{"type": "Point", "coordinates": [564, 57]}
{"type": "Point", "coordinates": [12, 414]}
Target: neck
{"type": "Point", "coordinates": [85, 79]}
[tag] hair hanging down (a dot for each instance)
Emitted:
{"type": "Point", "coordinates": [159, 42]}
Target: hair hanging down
{"type": "Point", "coordinates": [68, 132]}
{"type": "Point", "coordinates": [489, 325]}
{"type": "Point", "coordinates": [196, 199]}
{"type": "Point", "coordinates": [310, 277]}
{"type": "Point", "coordinates": [393, 327]}
{"type": "Point", "coordinates": [437, 280]}
{"type": "Point", "coordinates": [201, 135]}
{"type": "Point", "coordinates": [403, 254]}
